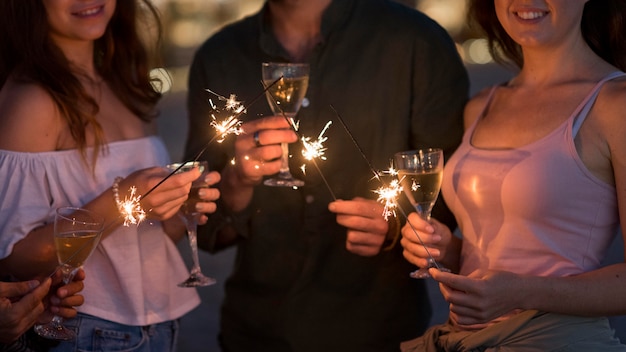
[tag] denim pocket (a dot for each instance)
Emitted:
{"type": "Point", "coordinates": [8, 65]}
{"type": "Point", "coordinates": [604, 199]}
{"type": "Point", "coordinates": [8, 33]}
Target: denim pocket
{"type": "Point", "coordinates": [129, 339]}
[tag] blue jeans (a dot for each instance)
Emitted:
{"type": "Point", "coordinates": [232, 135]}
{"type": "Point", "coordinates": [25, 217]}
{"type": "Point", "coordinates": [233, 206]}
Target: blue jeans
{"type": "Point", "coordinates": [95, 334]}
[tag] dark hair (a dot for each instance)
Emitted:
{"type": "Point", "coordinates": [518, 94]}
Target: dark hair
{"type": "Point", "coordinates": [121, 58]}
{"type": "Point", "coordinates": [603, 27]}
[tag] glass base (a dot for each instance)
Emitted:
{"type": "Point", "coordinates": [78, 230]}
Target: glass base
{"type": "Point", "coordinates": [54, 332]}
{"type": "Point", "coordinates": [197, 280]}
{"type": "Point", "coordinates": [284, 179]}
{"type": "Point", "coordinates": [423, 273]}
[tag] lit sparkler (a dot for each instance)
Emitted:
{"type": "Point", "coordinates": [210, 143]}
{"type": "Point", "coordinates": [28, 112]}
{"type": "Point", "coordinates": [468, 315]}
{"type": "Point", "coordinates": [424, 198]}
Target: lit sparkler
{"type": "Point", "coordinates": [387, 190]}
{"type": "Point", "coordinates": [312, 150]}
{"type": "Point", "coordinates": [315, 150]}
{"type": "Point", "coordinates": [131, 209]}
{"type": "Point", "coordinates": [388, 193]}
{"type": "Point", "coordinates": [230, 125]}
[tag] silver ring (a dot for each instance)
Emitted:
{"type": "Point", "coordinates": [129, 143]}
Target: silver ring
{"type": "Point", "coordinates": [255, 136]}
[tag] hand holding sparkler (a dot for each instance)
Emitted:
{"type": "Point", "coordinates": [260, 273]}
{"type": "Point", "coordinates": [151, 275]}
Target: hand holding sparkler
{"type": "Point", "coordinates": [366, 228]}
{"type": "Point", "coordinates": [163, 202]}
{"type": "Point", "coordinates": [388, 194]}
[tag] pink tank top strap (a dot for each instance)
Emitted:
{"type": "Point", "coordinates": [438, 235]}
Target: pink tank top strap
{"type": "Point", "coordinates": [580, 114]}
{"type": "Point", "coordinates": [470, 128]}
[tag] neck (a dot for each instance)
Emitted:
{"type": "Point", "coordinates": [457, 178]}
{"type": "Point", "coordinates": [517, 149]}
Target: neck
{"type": "Point", "coordinates": [297, 25]}
{"type": "Point", "coordinates": [80, 56]}
{"type": "Point", "coordinates": [553, 66]}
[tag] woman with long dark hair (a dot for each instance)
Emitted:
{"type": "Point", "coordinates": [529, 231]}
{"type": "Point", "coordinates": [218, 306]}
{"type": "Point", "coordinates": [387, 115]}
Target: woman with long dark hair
{"type": "Point", "coordinates": [77, 117]}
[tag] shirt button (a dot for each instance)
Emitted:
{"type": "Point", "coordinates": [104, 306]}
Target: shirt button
{"type": "Point", "coordinates": [309, 199]}
{"type": "Point", "coordinates": [305, 102]}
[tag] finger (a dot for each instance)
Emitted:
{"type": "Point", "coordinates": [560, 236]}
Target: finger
{"type": "Point", "coordinates": [202, 219]}
{"type": "Point", "coordinates": [181, 179]}
{"type": "Point", "coordinates": [362, 249]}
{"type": "Point", "coordinates": [420, 249]}
{"type": "Point", "coordinates": [65, 312]}
{"type": "Point", "coordinates": [363, 224]}
{"type": "Point", "coordinates": [80, 275]}
{"type": "Point", "coordinates": [42, 290]}
{"type": "Point", "coordinates": [369, 209]}
{"type": "Point", "coordinates": [209, 194]}
{"type": "Point", "coordinates": [419, 235]}
{"type": "Point", "coordinates": [31, 305]}
{"type": "Point", "coordinates": [17, 289]}
{"type": "Point", "coordinates": [212, 178]}
{"type": "Point", "coordinates": [466, 315]}
{"type": "Point", "coordinates": [454, 281]}
{"type": "Point", "coordinates": [419, 260]}
{"type": "Point", "coordinates": [263, 138]}
{"type": "Point", "coordinates": [206, 208]}
{"type": "Point", "coordinates": [416, 222]}
{"type": "Point", "coordinates": [364, 238]}
{"type": "Point", "coordinates": [70, 289]}
{"type": "Point", "coordinates": [167, 209]}
{"type": "Point", "coordinates": [265, 123]}
{"type": "Point", "coordinates": [74, 300]}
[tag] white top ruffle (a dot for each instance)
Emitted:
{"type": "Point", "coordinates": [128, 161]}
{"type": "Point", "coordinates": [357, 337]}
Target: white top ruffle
{"type": "Point", "coordinates": [133, 273]}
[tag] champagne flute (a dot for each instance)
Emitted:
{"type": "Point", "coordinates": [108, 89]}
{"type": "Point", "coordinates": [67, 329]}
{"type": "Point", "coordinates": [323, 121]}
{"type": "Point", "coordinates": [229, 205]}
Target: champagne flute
{"type": "Point", "coordinates": [420, 173]}
{"type": "Point", "coordinates": [190, 218]}
{"type": "Point", "coordinates": [285, 97]}
{"type": "Point", "coordinates": [77, 232]}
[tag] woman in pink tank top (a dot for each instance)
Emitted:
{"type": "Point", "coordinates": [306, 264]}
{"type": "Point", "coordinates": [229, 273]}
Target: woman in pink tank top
{"type": "Point", "coordinates": [536, 187]}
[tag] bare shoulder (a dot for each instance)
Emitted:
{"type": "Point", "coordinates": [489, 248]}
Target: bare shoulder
{"type": "Point", "coordinates": [30, 119]}
{"type": "Point", "coordinates": [475, 106]}
{"type": "Point", "coordinates": [611, 109]}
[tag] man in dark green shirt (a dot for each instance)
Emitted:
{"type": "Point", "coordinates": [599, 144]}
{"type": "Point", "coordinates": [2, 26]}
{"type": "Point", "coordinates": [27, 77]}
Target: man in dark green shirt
{"type": "Point", "coordinates": [306, 278]}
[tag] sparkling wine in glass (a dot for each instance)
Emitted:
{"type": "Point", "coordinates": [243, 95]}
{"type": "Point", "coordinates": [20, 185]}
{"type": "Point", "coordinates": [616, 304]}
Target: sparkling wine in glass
{"type": "Point", "coordinates": [285, 97]}
{"type": "Point", "coordinates": [77, 232]}
{"type": "Point", "coordinates": [420, 173]}
{"type": "Point", "coordinates": [190, 218]}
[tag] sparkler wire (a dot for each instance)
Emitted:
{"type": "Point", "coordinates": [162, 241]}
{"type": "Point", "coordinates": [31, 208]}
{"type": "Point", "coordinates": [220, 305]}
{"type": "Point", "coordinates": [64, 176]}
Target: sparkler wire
{"type": "Point", "coordinates": [214, 137]}
{"type": "Point", "coordinates": [239, 113]}
{"type": "Point", "coordinates": [332, 194]}
{"type": "Point", "coordinates": [294, 129]}
{"type": "Point", "coordinates": [377, 176]}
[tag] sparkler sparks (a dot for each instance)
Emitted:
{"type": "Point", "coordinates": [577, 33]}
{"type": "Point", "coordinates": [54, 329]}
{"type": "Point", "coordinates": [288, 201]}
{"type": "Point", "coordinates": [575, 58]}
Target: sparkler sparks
{"type": "Point", "coordinates": [230, 124]}
{"type": "Point", "coordinates": [315, 149]}
{"type": "Point", "coordinates": [131, 209]}
{"type": "Point", "coordinates": [388, 193]}
{"type": "Point", "coordinates": [388, 196]}
{"type": "Point", "coordinates": [385, 189]}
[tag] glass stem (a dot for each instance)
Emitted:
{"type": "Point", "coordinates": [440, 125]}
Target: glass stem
{"type": "Point", "coordinates": [284, 159]}
{"type": "Point", "coordinates": [192, 236]}
{"type": "Point", "coordinates": [68, 275]}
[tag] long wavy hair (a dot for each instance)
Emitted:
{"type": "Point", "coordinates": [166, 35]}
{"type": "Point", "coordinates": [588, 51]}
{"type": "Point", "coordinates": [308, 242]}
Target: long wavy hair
{"type": "Point", "coordinates": [603, 27]}
{"type": "Point", "coordinates": [121, 56]}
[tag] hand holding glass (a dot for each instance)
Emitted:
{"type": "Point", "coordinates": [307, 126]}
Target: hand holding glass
{"type": "Point", "coordinates": [285, 97]}
{"type": "Point", "coordinates": [190, 218]}
{"type": "Point", "coordinates": [420, 173]}
{"type": "Point", "coordinates": [76, 234]}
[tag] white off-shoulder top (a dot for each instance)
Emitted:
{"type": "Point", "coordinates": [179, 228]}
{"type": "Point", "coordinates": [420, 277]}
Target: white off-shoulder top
{"type": "Point", "coordinates": [132, 275]}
